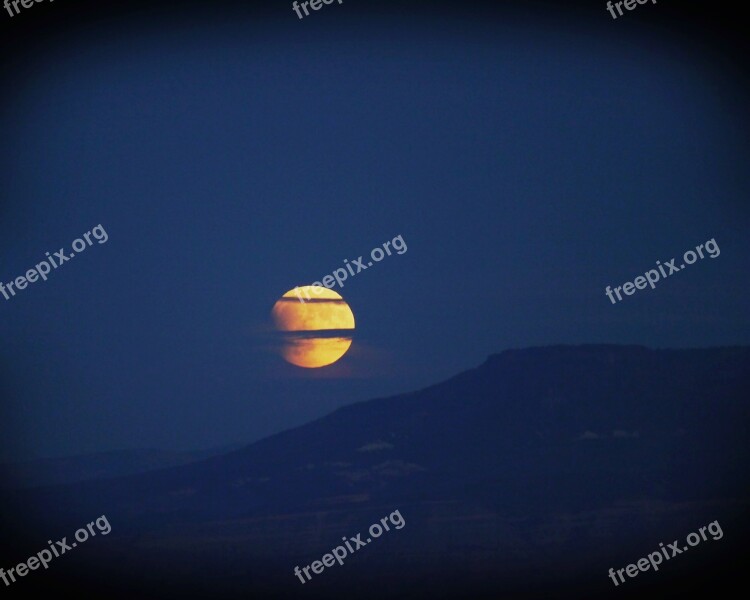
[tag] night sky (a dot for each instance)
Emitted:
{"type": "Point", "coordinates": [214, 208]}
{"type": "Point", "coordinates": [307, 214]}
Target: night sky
{"type": "Point", "coordinates": [528, 162]}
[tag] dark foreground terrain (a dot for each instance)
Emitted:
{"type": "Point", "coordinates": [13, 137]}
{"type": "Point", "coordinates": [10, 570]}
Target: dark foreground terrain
{"type": "Point", "coordinates": [529, 476]}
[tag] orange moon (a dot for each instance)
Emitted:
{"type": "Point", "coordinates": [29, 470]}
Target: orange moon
{"type": "Point", "coordinates": [313, 328]}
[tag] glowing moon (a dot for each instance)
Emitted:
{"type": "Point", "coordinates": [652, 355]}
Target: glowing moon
{"type": "Point", "coordinates": [323, 312]}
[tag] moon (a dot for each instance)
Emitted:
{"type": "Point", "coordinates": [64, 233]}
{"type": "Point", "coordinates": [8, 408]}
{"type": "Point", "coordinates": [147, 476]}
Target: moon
{"type": "Point", "coordinates": [313, 320]}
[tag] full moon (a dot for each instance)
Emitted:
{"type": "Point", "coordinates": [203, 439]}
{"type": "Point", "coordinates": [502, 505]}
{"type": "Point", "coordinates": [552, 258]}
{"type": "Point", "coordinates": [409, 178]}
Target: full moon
{"type": "Point", "coordinates": [313, 328]}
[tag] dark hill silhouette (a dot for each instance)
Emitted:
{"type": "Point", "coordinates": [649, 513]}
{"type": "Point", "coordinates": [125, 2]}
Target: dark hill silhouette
{"type": "Point", "coordinates": [574, 456]}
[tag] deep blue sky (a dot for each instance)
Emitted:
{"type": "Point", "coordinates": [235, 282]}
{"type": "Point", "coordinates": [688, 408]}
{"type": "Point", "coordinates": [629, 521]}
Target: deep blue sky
{"type": "Point", "coordinates": [527, 164]}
